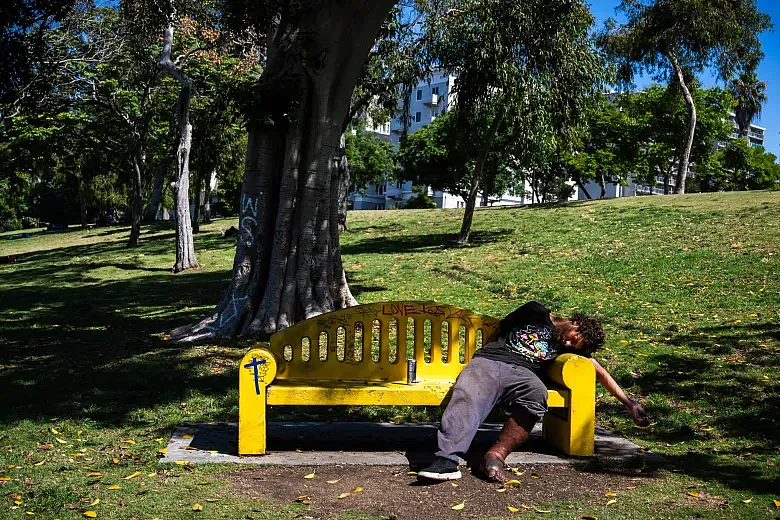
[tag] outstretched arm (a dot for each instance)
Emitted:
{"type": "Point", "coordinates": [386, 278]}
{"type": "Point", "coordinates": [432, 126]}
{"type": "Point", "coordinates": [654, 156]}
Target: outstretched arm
{"type": "Point", "coordinates": [635, 409]}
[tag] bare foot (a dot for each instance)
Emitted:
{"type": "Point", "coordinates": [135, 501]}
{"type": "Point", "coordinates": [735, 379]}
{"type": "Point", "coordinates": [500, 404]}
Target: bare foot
{"type": "Point", "coordinates": [493, 468]}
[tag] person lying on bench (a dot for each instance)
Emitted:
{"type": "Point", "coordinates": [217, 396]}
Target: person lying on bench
{"type": "Point", "coordinates": [506, 372]}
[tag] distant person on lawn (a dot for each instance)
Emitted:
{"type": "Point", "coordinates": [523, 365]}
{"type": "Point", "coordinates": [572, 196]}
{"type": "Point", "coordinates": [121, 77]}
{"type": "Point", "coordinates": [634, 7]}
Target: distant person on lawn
{"type": "Point", "coordinates": [506, 372]}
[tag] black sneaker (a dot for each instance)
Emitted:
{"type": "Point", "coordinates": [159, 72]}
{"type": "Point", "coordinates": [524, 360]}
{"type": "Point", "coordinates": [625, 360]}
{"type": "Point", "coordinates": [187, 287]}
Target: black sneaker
{"type": "Point", "coordinates": [441, 469]}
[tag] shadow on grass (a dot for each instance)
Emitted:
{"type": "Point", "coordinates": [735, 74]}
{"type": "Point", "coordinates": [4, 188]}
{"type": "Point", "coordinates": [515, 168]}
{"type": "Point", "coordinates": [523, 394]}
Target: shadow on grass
{"type": "Point", "coordinates": [429, 242]}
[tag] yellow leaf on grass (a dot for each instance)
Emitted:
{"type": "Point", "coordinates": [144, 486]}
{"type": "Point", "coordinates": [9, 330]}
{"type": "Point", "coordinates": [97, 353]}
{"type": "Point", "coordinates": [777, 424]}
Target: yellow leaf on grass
{"type": "Point", "coordinates": [30, 513]}
{"type": "Point", "coordinates": [115, 461]}
{"type": "Point", "coordinates": [204, 483]}
{"type": "Point", "coordinates": [586, 516]}
{"type": "Point", "coordinates": [310, 475]}
{"type": "Point", "coordinates": [95, 502]}
{"type": "Point", "coordinates": [128, 441]}
{"type": "Point", "coordinates": [113, 486]}
{"type": "Point", "coordinates": [411, 473]}
{"type": "Point", "coordinates": [182, 462]}
{"type": "Point", "coordinates": [133, 475]}
{"type": "Point", "coordinates": [543, 510]}
{"type": "Point", "coordinates": [197, 507]}
{"type": "Point", "coordinates": [151, 474]}
{"type": "Point", "coordinates": [41, 463]}
{"type": "Point", "coordinates": [501, 490]}
{"type": "Point", "coordinates": [525, 506]}
{"type": "Point", "coordinates": [693, 493]}
{"type": "Point", "coordinates": [749, 500]}
{"type": "Point", "coordinates": [459, 506]}
{"type": "Point", "coordinates": [344, 495]}
{"type": "Point", "coordinates": [357, 489]}
{"type": "Point", "coordinates": [55, 432]}
{"type": "Point", "coordinates": [777, 503]}
{"type": "Point", "coordinates": [453, 484]}
{"type": "Point", "coordinates": [4, 478]}
{"type": "Point", "coordinates": [94, 474]}
{"type": "Point", "coordinates": [512, 509]}
{"type": "Point", "coordinates": [164, 451]}
{"type": "Point", "coordinates": [60, 440]}
{"type": "Point", "coordinates": [610, 494]}
{"type": "Point", "coordinates": [90, 514]}
{"type": "Point", "coordinates": [610, 502]}
{"type": "Point", "coordinates": [512, 483]}
{"type": "Point", "coordinates": [333, 481]}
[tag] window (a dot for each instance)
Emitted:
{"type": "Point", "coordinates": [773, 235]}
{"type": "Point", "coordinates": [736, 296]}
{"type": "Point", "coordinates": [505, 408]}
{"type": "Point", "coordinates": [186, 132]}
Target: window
{"type": "Point", "coordinates": [417, 117]}
{"type": "Point", "coordinates": [435, 90]}
{"type": "Point", "coordinates": [419, 95]}
{"type": "Point", "coordinates": [399, 184]}
{"type": "Point", "coordinates": [434, 113]}
{"type": "Point", "coordinates": [380, 189]}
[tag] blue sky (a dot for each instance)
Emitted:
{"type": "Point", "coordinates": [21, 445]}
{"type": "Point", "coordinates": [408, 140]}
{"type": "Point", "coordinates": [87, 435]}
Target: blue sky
{"type": "Point", "coordinates": [768, 71]}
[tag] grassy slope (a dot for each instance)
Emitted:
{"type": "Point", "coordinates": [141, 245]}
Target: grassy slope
{"type": "Point", "coordinates": [687, 287]}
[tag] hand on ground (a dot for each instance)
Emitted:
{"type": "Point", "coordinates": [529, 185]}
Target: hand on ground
{"type": "Point", "coordinates": [638, 414]}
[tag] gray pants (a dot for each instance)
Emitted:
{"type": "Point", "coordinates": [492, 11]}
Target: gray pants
{"type": "Point", "coordinates": [483, 384]}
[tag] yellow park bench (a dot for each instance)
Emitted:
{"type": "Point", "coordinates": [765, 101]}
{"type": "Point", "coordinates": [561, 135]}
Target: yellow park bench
{"type": "Point", "coordinates": [358, 356]}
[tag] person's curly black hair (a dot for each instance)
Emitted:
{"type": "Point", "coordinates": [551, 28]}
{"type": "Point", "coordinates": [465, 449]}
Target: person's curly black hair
{"type": "Point", "coordinates": [591, 331]}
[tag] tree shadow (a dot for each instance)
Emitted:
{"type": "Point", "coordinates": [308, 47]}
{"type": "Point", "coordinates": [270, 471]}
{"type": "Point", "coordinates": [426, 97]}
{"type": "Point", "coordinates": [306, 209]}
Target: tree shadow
{"type": "Point", "coordinates": [430, 242]}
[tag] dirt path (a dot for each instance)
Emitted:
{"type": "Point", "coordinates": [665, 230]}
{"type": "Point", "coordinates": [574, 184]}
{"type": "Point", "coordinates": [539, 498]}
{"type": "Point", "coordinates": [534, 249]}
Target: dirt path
{"type": "Point", "coordinates": [390, 492]}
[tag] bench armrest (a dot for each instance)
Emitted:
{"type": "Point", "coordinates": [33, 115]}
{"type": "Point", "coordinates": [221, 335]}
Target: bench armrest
{"type": "Point", "coordinates": [573, 372]}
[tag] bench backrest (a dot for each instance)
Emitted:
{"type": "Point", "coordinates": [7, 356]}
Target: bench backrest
{"type": "Point", "coordinates": [371, 342]}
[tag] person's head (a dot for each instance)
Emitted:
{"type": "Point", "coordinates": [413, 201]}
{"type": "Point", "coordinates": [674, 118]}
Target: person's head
{"type": "Point", "coordinates": [580, 333]}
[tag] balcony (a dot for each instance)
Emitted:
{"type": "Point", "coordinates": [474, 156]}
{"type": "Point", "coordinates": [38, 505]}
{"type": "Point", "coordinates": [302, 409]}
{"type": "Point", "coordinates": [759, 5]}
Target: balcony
{"type": "Point", "coordinates": [432, 101]}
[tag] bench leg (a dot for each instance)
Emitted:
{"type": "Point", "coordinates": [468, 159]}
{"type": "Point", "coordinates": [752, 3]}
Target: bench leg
{"type": "Point", "coordinates": [258, 368]}
{"type": "Point", "coordinates": [571, 429]}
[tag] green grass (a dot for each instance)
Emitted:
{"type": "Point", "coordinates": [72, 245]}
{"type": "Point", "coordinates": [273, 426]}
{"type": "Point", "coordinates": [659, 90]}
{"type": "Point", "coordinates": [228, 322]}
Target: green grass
{"type": "Point", "coordinates": [687, 287]}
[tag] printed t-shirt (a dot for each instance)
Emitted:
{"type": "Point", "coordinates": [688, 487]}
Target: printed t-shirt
{"type": "Point", "coordinates": [525, 338]}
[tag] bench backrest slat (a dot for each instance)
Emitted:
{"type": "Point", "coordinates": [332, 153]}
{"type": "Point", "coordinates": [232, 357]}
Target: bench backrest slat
{"type": "Point", "coordinates": [334, 351]}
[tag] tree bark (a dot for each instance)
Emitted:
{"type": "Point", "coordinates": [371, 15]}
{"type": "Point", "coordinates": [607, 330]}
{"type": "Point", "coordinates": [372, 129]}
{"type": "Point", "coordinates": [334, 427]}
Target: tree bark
{"type": "Point", "coordinates": [682, 169]}
{"type": "Point", "coordinates": [185, 249]}
{"type": "Point", "coordinates": [207, 197]}
{"type": "Point", "coordinates": [582, 187]}
{"type": "Point", "coordinates": [602, 185]}
{"type": "Point", "coordinates": [135, 229]}
{"type": "Point", "coordinates": [196, 204]}
{"type": "Point", "coordinates": [288, 263]}
{"type": "Point", "coordinates": [343, 184]}
{"type": "Point", "coordinates": [479, 175]}
{"type": "Point", "coordinates": [150, 214]}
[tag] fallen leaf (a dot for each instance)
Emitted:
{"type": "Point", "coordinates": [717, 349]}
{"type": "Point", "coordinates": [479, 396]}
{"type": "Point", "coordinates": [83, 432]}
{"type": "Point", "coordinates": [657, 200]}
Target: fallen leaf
{"type": "Point", "coordinates": [133, 475]}
{"type": "Point", "coordinates": [344, 495]}
{"type": "Point", "coordinates": [151, 474]}
{"type": "Point", "coordinates": [586, 516]}
{"type": "Point", "coordinates": [525, 506]}
{"type": "Point", "coordinates": [115, 461]}
{"type": "Point", "coordinates": [60, 440]}
{"type": "Point", "coordinates": [610, 502]}
{"type": "Point", "coordinates": [94, 474]}
{"type": "Point", "coordinates": [164, 451]}
{"type": "Point", "coordinates": [4, 478]}
{"type": "Point", "coordinates": [298, 450]}
{"type": "Point", "coordinates": [197, 507]}
{"type": "Point", "coordinates": [535, 475]}
{"type": "Point", "coordinates": [411, 473]}
{"type": "Point", "coordinates": [204, 483]}
{"type": "Point", "coordinates": [693, 493]}
{"type": "Point", "coordinates": [55, 432]}
{"type": "Point", "coordinates": [357, 489]}
{"type": "Point", "coordinates": [186, 436]}
{"type": "Point", "coordinates": [512, 509]}
{"type": "Point", "coordinates": [212, 499]}
{"type": "Point", "coordinates": [511, 483]}
{"type": "Point", "coordinates": [543, 510]}
{"type": "Point", "coordinates": [333, 481]}
{"type": "Point", "coordinates": [303, 499]}
{"type": "Point", "coordinates": [95, 502]}
{"type": "Point", "coordinates": [113, 486]}
{"type": "Point", "coordinates": [610, 494]}
{"type": "Point", "coordinates": [777, 503]}
{"type": "Point", "coordinates": [459, 506]}
{"type": "Point", "coordinates": [749, 500]}
{"type": "Point", "coordinates": [310, 475]}
{"type": "Point", "coordinates": [30, 513]}
{"type": "Point", "coordinates": [182, 462]}
{"type": "Point", "coordinates": [90, 514]}
{"type": "Point", "coordinates": [501, 490]}
{"type": "Point", "coordinates": [128, 441]}
{"type": "Point", "coordinates": [453, 484]}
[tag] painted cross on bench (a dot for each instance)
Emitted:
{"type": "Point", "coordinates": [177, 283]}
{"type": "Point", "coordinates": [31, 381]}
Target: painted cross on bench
{"type": "Point", "coordinates": [255, 364]}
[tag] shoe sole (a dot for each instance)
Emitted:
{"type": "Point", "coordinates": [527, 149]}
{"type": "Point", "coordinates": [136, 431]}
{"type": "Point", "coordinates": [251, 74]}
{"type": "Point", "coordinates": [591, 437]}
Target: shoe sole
{"type": "Point", "coordinates": [455, 475]}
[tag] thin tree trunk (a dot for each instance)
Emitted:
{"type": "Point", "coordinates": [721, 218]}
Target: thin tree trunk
{"type": "Point", "coordinates": [579, 183]}
{"type": "Point", "coordinates": [135, 230]}
{"type": "Point", "coordinates": [207, 197]}
{"type": "Point", "coordinates": [343, 184]}
{"type": "Point", "coordinates": [150, 214]}
{"type": "Point", "coordinates": [602, 185]}
{"type": "Point", "coordinates": [185, 249]}
{"type": "Point", "coordinates": [682, 170]}
{"type": "Point", "coordinates": [196, 205]}
{"type": "Point", "coordinates": [288, 263]}
{"type": "Point", "coordinates": [82, 201]}
{"type": "Point", "coordinates": [479, 175]}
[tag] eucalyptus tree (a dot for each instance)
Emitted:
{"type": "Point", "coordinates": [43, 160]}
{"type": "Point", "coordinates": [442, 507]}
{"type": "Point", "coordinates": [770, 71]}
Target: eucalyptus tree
{"type": "Point", "coordinates": [680, 38]}
{"type": "Point", "coordinates": [750, 94]}
{"type": "Point", "coordinates": [288, 263]}
{"type": "Point", "coordinates": [530, 64]}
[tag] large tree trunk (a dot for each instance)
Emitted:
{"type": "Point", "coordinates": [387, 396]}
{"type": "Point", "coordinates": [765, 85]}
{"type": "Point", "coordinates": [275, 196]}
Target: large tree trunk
{"type": "Point", "coordinates": [682, 169]}
{"type": "Point", "coordinates": [150, 213]}
{"type": "Point", "coordinates": [185, 249]}
{"type": "Point", "coordinates": [135, 230]}
{"type": "Point", "coordinates": [288, 258]}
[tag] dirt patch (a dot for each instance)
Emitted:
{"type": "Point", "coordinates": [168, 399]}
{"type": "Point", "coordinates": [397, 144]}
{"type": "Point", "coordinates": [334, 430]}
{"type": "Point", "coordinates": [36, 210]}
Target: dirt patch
{"type": "Point", "coordinates": [390, 492]}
